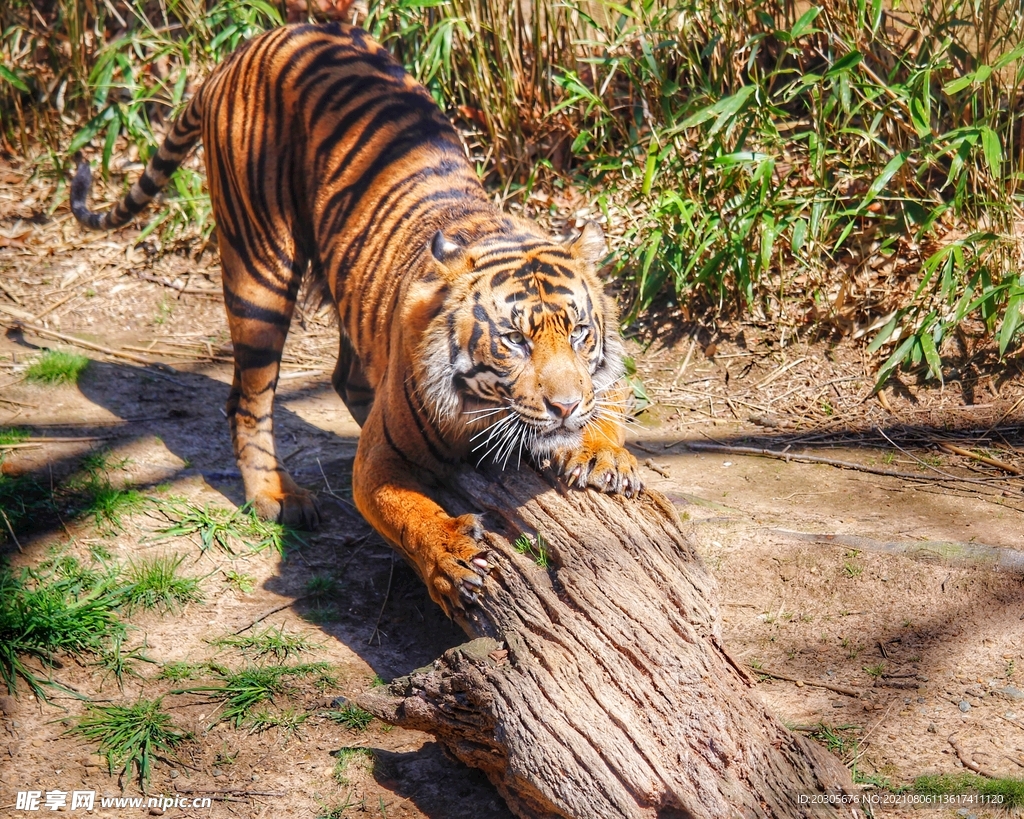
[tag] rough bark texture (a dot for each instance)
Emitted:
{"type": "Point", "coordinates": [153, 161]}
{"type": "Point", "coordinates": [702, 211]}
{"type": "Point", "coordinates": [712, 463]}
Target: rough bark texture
{"type": "Point", "coordinates": [600, 687]}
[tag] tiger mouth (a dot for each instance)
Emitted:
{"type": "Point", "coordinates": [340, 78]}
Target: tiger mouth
{"type": "Point", "coordinates": [515, 431]}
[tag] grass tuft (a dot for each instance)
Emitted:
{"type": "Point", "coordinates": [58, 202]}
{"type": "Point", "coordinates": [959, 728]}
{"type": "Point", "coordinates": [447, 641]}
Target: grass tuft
{"type": "Point", "coordinates": [155, 583]}
{"type": "Point", "coordinates": [270, 643]}
{"type": "Point", "coordinates": [348, 758]}
{"type": "Point", "coordinates": [240, 691]}
{"type": "Point", "coordinates": [1010, 790]}
{"type": "Point", "coordinates": [57, 367]}
{"type": "Point", "coordinates": [223, 528]}
{"type": "Point", "coordinates": [12, 435]}
{"type": "Point", "coordinates": [536, 549]}
{"type": "Point", "coordinates": [180, 670]}
{"type": "Point", "coordinates": [288, 720]}
{"type": "Point", "coordinates": [131, 736]}
{"type": "Point", "coordinates": [351, 716]}
{"type": "Point", "coordinates": [43, 613]}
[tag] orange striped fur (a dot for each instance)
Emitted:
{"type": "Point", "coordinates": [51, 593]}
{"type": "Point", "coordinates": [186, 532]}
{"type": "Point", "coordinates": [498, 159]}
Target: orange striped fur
{"type": "Point", "coordinates": [466, 334]}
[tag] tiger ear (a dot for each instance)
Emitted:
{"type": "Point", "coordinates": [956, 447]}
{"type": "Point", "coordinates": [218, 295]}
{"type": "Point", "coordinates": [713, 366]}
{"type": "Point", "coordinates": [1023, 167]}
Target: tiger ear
{"type": "Point", "coordinates": [589, 245]}
{"type": "Point", "coordinates": [451, 257]}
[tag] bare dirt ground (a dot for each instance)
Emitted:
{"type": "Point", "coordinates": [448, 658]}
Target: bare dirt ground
{"type": "Point", "coordinates": [879, 589]}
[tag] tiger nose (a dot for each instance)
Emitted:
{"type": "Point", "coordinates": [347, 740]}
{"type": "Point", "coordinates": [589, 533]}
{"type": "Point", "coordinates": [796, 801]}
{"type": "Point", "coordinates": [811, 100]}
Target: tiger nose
{"type": "Point", "coordinates": [561, 410]}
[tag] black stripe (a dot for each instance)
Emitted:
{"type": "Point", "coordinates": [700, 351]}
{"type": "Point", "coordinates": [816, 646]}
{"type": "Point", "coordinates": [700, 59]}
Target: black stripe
{"type": "Point", "coordinates": [417, 415]}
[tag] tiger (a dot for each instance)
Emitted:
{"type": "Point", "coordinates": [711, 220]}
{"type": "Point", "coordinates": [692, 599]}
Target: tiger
{"type": "Point", "coordinates": [466, 334]}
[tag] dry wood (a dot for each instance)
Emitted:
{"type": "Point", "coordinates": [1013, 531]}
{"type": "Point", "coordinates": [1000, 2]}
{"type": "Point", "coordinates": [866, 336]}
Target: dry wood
{"type": "Point", "coordinates": [969, 763]}
{"type": "Point", "coordinates": [10, 293]}
{"type": "Point", "coordinates": [957, 450]}
{"type": "Point", "coordinates": [212, 292]}
{"type": "Point", "coordinates": [597, 685]}
{"type": "Point", "coordinates": [839, 689]}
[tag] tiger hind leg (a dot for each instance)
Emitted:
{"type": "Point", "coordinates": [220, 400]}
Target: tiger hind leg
{"type": "Point", "coordinates": [258, 318]}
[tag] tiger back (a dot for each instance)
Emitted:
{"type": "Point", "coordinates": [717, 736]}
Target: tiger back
{"type": "Point", "coordinates": [465, 333]}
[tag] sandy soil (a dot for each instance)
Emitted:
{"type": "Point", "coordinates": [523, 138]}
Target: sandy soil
{"type": "Point", "coordinates": [881, 589]}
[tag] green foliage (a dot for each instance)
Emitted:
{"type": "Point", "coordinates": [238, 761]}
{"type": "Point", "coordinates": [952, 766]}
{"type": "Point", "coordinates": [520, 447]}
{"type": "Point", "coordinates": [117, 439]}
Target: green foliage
{"type": "Point", "coordinates": [288, 720]}
{"type": "Point", "coordinates": [759, 156]}
{"type": "Point", "coordinates": [349, 757]}
{"type": "Point", "coordinates": [223, 528]}
{"type": "Point", "coordinates": [244, 583]}
{"type": "Point", "coordinates": [131, 736]}
{"type": "Point", "coordinates": [155, 583]}
{"type": "Point", "coordinates": [94, 494]}
{"type": "Point", "coordinates": [57, 367]}
{"type": "Point", "coordinates": [47, 611]}
{"type": "Point", "coordinates": [1011, 790]}
{"type": "Point", "coordinates": [351, 716]}
{"type": "Point", "coordinates": [272, 642]}
{"type": "Point", "coordinates": [12, 435]}
{"type": "Point", "coordinates": [179, 670]}
{"type": "Point", "coordinates": [240, 691]}
{"type": "Point", "coordinates": [536, 549]}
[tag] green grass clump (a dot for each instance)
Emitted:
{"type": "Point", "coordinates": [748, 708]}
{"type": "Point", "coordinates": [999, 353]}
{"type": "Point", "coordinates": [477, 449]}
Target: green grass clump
{"type": "Point", "coordinates": [270, 643]}
{"type": "Point", "coordinates": [57, 367]}
{"type": "Point", "coordinates": [12, 435]}
{"type": "Point", "coordinates": [131, 736]}
{"type": "Point", "coordinates": [1010, 790]}
{"type": "Point", "coordinates": [351, 716]}
{"type": "Point", "coordinates": [349, 757]}
{"type": "Point", "coordinates": [179, 670]}
{"type": "Point", "coordinates": [242, 582]}
{"type": "Point", "coordinates": [108, 504]}
{"type": "Point", "coordinates": [92, 493]}
{"type": "Point", "coordinates": [43, 613]}
{"type": "Point", "coordinates": [156, 583]}
{"type": "Point", "coordinates": [536, 549]}
{"type": "Point", "coordinates": [240, 691]}
{"type": "Point", "coordinates": [289, 720]}
{"type": "Point", "coordinates": [223, 528]}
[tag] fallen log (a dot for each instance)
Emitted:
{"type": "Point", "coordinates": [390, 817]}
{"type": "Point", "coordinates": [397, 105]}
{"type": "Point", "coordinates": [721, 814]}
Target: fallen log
{"type": "Point", "coordinates": [598, 686]}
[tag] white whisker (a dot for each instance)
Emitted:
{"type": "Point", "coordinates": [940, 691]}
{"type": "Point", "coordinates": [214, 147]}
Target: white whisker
{"type": "Point", "coordinates": [492, 428]}
{"type": "Point", "coordinates": [488, 410]}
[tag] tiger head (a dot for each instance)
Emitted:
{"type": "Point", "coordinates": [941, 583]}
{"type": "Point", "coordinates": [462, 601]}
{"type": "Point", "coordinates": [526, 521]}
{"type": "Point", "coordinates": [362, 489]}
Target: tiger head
{"type": "Point", "coordinates": [524, 347]}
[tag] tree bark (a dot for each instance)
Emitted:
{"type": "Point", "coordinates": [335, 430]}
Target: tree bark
{"type": "Point", "coordinates": [599, 687]}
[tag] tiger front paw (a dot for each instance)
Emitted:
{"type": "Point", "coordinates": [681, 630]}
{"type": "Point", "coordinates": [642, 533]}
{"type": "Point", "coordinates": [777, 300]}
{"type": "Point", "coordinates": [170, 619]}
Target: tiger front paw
{"type": "Point", "coordinates": [456, 570]}
{"type": "Point", "coordinates": [609, 468]}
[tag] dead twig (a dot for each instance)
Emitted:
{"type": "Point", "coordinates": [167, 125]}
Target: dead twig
{"type": "Point", "coordinates": [839, 689]}
{"type": "Point", "coordinates": [10, 530]}
{"type": "Point", "coordinates": [229, 792]}
{"type": "Point", "coordinates": [181, 288]}
{"type": "Point", "coordinates": [387, 594]}
{"type": "Point", "coordinates": [651, 465]}
{"type": "Point", "coordinates": [970, 763]}
{"type": "Point", "coordinates": [267, 614]}
{"type": "Point", "coordinates": [956, 450]}
{"type": "Point", "coordinates": [11, 295]}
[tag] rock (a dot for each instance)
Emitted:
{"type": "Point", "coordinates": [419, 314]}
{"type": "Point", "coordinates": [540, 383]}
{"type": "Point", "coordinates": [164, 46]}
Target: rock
{"type": "Point", "coordinates": [8, 705]}
{"type": "Point", "coordinates": [964, 706]}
